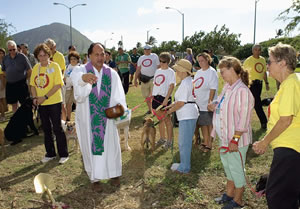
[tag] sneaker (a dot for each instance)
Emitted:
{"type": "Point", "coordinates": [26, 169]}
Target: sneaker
{"type": "Point", "coordinates": [223, 199]}
{"type": "Point", "coordinates": [160, 142]}
{"type": "Point", "coordinates": [232, 205]}
{"type": "Point", "coordinates": [47, 159]}
{"type": "Point", "coordinates": [174, 166]}
{"type": "Point", "coordinates": [63, 160]}
{"type": "Point", "coordinates": [168, 145]}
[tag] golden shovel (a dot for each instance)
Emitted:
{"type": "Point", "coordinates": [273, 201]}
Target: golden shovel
{"type": "Point", "coordinates": [44, 183]}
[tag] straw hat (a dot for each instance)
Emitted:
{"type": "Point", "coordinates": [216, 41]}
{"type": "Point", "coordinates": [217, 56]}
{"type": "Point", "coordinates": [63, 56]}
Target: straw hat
{"type": "Point", "coordinates": [183, 65]}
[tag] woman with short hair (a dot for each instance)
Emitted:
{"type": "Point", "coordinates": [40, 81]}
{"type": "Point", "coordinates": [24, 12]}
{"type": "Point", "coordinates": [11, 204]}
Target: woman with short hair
{"type": "Point", "coordinates": [45, 83]}
{"type": "Point", "coordinates": [283, 186]}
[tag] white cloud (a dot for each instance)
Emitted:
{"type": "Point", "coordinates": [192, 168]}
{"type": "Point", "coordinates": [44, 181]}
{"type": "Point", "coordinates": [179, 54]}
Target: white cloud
{"type": "Point", "coordinates": [143, 11]}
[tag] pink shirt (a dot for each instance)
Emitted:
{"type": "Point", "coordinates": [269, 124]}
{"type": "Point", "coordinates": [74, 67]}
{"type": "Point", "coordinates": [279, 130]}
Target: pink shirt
{"type": "Point", "coordinates": [235, 114]}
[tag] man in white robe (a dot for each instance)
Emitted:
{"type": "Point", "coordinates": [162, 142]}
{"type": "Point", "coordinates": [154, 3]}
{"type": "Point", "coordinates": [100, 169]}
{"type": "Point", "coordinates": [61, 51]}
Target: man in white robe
{"type": "Point", "coordinates": [109, 164]}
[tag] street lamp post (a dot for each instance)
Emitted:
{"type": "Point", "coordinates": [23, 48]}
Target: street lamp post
{"type": "Point", "coordinates": [109, 39]}
{"type": "Point", "coordinates": [70, 10]}
{"type": "Point", "coordinates": [148, 34]}
{"type": "Point", "coordinates": [182, 14]}
{"type": "Point", "coordinates": [255, 21]}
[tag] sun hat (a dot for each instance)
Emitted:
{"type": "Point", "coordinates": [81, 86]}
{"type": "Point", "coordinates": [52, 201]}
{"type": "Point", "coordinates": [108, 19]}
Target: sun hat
{"type": "Point", "coordinates": [183, 65]}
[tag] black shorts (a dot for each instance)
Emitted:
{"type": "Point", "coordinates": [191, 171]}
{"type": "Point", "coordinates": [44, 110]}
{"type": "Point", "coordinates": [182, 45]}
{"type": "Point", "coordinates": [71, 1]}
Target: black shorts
{"type": "Point", "coordinates": [158, 100]}
{"type": "Point", "coordinates": [16, 92]}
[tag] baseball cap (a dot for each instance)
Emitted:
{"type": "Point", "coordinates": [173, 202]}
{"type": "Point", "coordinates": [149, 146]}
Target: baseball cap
{"type": "Point", "coordinates": [147, 47]}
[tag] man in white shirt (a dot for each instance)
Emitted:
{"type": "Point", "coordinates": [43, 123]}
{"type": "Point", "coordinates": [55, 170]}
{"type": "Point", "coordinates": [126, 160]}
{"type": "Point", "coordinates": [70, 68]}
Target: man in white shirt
{"type": "Point", "coordinates": [146, 67]}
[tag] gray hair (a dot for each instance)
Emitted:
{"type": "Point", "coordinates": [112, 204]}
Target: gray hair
{"type": "Point", "coordinates": [285, 52]}
{"type": "Point", "coordinates": [50, 42]}
{"type": "Point", "coordinates": [11, 43]}
{"type": "Point", "coordinates": [256, 46]}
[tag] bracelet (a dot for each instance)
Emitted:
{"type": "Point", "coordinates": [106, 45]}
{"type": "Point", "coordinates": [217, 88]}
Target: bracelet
{"type": "Point", "coordinates": [234, 142]}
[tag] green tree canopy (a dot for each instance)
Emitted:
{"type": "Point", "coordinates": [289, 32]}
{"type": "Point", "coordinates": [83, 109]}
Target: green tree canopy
{"type": "Point", "coordinates": [4, 32]}
{"type": "Point", "coordinates": [292, 15]}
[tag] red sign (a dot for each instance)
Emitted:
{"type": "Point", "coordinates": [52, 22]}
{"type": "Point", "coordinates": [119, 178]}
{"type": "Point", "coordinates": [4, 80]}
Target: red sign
{"type": "Point", "coordinates": [147, 63]}
{"type": "Point", "coordinates": [201, 81]}
{"type": "Point", "coordinates": [158, 81]}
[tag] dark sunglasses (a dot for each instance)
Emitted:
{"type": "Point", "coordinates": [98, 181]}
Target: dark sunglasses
{"type": "Point", "coordinates": [11, 50]}
{"type": "Point", "coordinates": [162, 61]}
{"type": "Point", "coordinates": [269, 62]}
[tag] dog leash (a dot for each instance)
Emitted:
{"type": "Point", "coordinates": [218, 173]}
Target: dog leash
{"type": "Point", "coordinates": [257, 194]}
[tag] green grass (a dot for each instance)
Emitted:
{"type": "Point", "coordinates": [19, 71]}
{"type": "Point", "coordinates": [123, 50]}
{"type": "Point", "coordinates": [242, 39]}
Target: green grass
{"type": "Point", "coordinates": [147, 181]}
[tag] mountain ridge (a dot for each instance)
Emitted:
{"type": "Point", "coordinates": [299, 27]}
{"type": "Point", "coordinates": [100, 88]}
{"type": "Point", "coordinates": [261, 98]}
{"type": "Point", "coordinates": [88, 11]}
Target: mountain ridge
{"type": "Point", "coordinates": [59, 32]}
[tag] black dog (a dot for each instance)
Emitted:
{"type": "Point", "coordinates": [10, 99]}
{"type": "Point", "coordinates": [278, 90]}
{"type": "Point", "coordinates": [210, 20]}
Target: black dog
{"type": "Point", "coordinates": [266, 102]}
{"type": "Point", "coordinates": [17, 126]}
{"type": "Point", "coordinates": [261, 184]}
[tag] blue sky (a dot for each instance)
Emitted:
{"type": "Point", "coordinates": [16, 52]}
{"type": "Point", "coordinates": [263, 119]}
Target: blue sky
{"type": "Point", "coordinates": [132, 19]}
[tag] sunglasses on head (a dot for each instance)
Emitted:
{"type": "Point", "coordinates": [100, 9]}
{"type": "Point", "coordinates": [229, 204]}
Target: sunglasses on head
{"type": "Point", "coordinates": [163, 61]}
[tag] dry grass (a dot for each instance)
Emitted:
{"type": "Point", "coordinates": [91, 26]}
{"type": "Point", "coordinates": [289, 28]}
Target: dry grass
{"type": "Point", "coordinates": [147, 181]}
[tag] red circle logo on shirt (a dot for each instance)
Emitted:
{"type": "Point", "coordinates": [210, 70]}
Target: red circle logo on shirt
{"type": "Point", "coordinates": [159, 79]}
{"type": "Point", "coordinates": [259, 67]}
{"type": "Point", "coordinates": [147, 63]}
{"type": "Point", "coordinates": [200, 83]}
{"type": "Point", "coordinates": [43, 82]}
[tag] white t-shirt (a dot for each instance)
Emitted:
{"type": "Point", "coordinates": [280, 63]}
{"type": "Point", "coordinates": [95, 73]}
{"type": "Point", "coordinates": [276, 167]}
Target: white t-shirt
{"type": "Point", "coordinates": [162, 81]}
{"type": "Point", "coordinates": [148, 64]}
{"type": "Point", "coordinates": [184, 93]}
{"type": "Point", "coordinates": [68, 72]}
{"type": "Point", "coordinates": [204, 81]}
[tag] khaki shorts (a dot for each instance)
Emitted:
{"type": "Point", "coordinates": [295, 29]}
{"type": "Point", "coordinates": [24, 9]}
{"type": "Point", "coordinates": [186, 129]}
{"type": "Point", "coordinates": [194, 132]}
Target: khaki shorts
{"type": "Point", "coordinates": [69, 97]}
{"type": "Point", "coordinates": [147, 88]}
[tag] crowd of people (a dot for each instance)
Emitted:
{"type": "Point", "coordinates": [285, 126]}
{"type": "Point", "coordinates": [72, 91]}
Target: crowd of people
{"type": "Point", "coordinates": [100, 82]}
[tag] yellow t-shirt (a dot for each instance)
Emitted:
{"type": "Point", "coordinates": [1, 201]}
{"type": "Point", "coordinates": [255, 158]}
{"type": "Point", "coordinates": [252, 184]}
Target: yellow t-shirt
{"type": "Point", "coordinates": [60, 60]}
{"type": "Point", "coordinates": [255, 67]}
{"type": "Point", "coordinates": [286, 103]}
{"type": "Point", "coordinates": [1, 72]}
{"type": "Point", "coordinates": [48, 78]}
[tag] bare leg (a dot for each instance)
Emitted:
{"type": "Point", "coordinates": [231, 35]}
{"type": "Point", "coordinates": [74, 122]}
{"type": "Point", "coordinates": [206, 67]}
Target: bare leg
{"type": "Point", "coordinates": [149, 103]}
{"type": "Point", "coordinates": [63, 112]}
{"type": "Point", "coordinates": [162, 129]}
{"type": "Point", "coordinates": [69, 110]}
{"type": "Point", "coordinates": [238, 195]}
{"type": "Point", "coordinates": [169, 127]}
{"type": "Point", "coordinates": [230, 188]}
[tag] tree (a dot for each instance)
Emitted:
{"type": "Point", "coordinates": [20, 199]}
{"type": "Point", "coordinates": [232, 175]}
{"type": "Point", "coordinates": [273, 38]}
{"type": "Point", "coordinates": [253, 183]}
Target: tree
{"type": "Point", "coordinates": [120, 44]}
{"type": "Point", "coordinates": [152, 40]}
{"type": "Point", "coordinates": [294, 20]}
{"type": "Point", "coordinates": [4, 32]}
{"type": "Point", "coordinates": [279, 33]}
{"type": "Point", "coordinates": [138, 45]}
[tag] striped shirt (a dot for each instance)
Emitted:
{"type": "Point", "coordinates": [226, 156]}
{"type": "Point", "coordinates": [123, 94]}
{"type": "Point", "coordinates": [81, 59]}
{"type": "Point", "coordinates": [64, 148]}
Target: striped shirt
{"type": "Point", "coordinates": [234, 113]}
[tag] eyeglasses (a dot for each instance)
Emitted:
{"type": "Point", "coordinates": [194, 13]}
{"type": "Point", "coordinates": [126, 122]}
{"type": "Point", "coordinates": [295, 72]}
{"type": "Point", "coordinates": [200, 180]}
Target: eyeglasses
{"type": "Point", "coordinates": [269, 62]}
{"type": "Point", "coordinates": [12, 50]}
{"type": "Point", "coordinates": [162, 61]}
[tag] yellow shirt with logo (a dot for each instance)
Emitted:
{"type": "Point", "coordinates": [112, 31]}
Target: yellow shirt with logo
{"type": "Point", "coordinates": [255, 67]}
{"type": "Point", "coordinates": [60, 60]}
{"type": "Point", "coordinates": [48, 78]}
{"type": "Point", "coordinates": [287, 103]}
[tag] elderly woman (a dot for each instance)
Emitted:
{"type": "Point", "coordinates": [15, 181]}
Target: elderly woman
{"type": "Point", "coordinates": [231, 122]}
{"type": "Point", "coordinates": [187, 114]}
{"type": "Point", "coordinates": [45, 83]}
{"type": "Point", "coordinates": [283, 186]}
{"type": "Point", "coordinates": [205, 89]}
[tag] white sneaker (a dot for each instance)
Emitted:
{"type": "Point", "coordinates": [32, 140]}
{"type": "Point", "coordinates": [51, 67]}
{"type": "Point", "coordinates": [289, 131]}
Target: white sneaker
{"type": "Point", "coordinates": [63, 160]}
{"type": "Point", "coordinates": [47, 159]}
{"type": "Point", "coordinates": [174, 166]}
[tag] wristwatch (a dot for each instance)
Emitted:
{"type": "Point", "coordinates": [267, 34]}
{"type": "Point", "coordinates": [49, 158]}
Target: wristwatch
{"type": "Point", "coordinates": [46, 97]}
{"type": "Point", "coordinates": [235, 139]}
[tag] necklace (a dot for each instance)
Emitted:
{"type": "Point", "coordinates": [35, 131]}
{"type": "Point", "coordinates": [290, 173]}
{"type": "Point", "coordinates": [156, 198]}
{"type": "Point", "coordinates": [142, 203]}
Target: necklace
{"type": "Point", "coordinates": [41, 83]}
